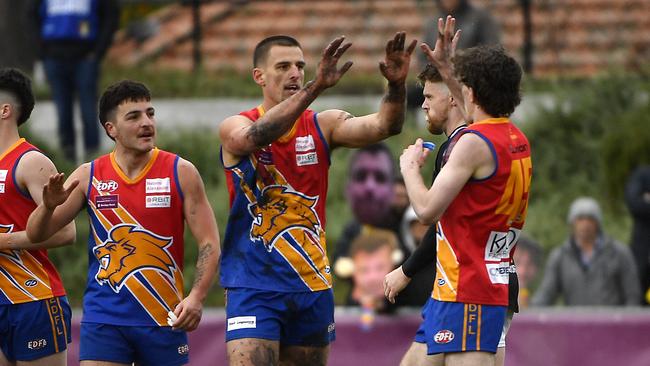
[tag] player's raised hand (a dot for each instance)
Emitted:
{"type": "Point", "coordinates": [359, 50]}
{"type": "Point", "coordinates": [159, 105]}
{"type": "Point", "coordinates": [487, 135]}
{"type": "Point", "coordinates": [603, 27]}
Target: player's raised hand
{"type": "Point", "coordinates": [395, 66]}
{"type": "Point", "coordinates": [54, 194]}
{"type": "Point", "coordinates": [446, 43]}
{"type": "Point", "coordinates": [328, 73]}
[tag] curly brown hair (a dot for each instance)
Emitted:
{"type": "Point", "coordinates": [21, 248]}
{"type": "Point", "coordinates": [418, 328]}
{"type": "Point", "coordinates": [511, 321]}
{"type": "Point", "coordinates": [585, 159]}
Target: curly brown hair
{"type": "Point", "coordinates": [494, 77]}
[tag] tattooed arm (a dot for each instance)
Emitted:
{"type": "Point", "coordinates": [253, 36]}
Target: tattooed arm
{"type": "Point", "coordinates": [342, 129]}
{"type": "Point", "coordinates": [200, 219]}
{"type": "Point", "coordinates": [240, 136]}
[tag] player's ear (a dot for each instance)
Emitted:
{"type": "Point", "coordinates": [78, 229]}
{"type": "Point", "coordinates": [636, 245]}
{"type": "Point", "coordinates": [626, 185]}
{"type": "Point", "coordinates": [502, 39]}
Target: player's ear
{"type": "Point", "coordinates": [109, 126]}
{"type": "Point", "coordinates": [258, 76]}
{"type": "Point", "coordinates": [5, 110]}
{"type": "Point", "coordinates": [452, 101]}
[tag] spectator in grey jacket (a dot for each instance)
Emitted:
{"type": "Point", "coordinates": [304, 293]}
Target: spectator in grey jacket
{"type": "Point", "coordinates": [590, 268]}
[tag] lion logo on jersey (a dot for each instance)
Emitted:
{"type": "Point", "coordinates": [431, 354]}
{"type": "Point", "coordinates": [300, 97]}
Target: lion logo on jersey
{"type": "Point", "coordinates": [131, 249]}
{"type": "Point", "coordinates": [279, 209]}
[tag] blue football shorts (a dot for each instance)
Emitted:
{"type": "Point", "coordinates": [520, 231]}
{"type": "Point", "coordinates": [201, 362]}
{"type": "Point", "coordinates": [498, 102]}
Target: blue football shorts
{"type": "Point", "coordinates": [457, 327]}
{"type": "Point", "coordinates": [146, 346]}
{"type": "Point", "coordinates": [292, 318]}
{"type": "Point", "coordinates": [36, 329]}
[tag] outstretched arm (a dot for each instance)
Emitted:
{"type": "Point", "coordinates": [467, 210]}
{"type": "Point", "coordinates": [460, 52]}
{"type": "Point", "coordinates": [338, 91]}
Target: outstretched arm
{"type": "Point", "coordinates": [343, 129]}
{"type": "Point", "coordinates": [240, 136]}
{"type": "Point", "coordinates": [60, 205]}
{"type": "Point", "coordinates": [441, 57]}
{"type": "Point", "coordinates": [32, 173]}
{"type": "Point", "coordinates": [200, 219]}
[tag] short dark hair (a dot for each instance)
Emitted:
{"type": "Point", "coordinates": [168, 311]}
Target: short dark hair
{"type": "Point", "coordinates": [494, 77]}
{"type": "Point", "coordinates": [430, 74]}
{"type": "Point", "coordinates": [262, 48]}
{"type": "Point", "coordinates": [374, 149]}
{"type": "Point", "coordinates": [118, 93]}
{"type": "Point", "coordinates": [16, 83]}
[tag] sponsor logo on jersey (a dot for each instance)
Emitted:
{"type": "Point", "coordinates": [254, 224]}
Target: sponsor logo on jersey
{"type": "Point", "coordinates": [305, 143]}
{"type": "Point", "coordinates": [441, 282]}
{"type": "Point", "coordinates": [159, 201]}
{"type": "Point", "coordinates": [107, 186]}
{"type": "Point", "coordinates": [31, 282]}
{"type": "Point", "coordinates": [307, 159]}
{"type": "Point", "coordinates": [128, 250]}
{"type": "Point", "coordinates": [158, 185]}
{"type": "Point", "coordinates": [499, 244]}
{"type": "Point", "coordinates": [3, 175]}
{"type": "Point", "coordinates": [2, 188]}
{"type": "Point", "coordinates": [443, 336]}
{"type": "Point", "coordinates": [499, 273]}
{"type": "Point", "coordinates": [107, 202]}
{"type": "Point", "coordinates": [242, 322]}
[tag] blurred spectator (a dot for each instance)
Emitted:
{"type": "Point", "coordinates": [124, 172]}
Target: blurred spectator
{"type": "Point", "coordinates": [370, 192]}
{"type": "Point", "coordinates": [528, 257]}
{"type": "Point", "coordinates": [589, 268]}
{"type": "Point", "coordinates": [637, 198]}
{"type": "Point", "coordinates": [74, 36]}
{"type": "Point", "coordinates": [418, 290]}
{"type": "Point", "coordinates": [372, 257]}
{"type": "Point", "coordinates": [477, 25]}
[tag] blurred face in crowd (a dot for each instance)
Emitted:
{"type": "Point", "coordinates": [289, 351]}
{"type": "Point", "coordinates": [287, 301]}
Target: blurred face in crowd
{"type": "Point", "coordinates": [436, 106]}
{"type": "Point", "coordinates": [370, 270]}
{"type": "Point", "coordinates": [134, 126]}
{"type": "Point", "coordinates": [282, 73]}
{"type": "Point", "coordinates": [526, 267]}
{"type": "Point", "coordinates": [585, 228]}
{"type": "Point", "coordinates": [370, 187]}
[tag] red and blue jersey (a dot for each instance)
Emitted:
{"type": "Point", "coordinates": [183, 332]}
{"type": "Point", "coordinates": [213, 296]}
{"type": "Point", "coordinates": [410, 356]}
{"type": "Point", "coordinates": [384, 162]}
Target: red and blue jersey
{"type": "Point", "coordinates": [135, 248]}
{"type": "Point", "coordinates": [275, 238]}
{"type": "Point", "coordinates": [25, 275]}
{"type": "Point", "coordinates": [477, 233]}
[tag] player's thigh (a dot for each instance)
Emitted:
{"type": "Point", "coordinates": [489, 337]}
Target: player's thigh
{"type": "Point", "coordinates": [4, 361]}
{"type": "Point", "coordinates": [102, 363]}
{"type": "Point", "coordinates": [304, 355]}
{"type": "Point", "coordinates": [469, 359]}
{"type": "Point", "coordinates": [417, 356]}
{"type": "Point", "coordinates": [500, 357]}
{"type": "Point", "coordinates": [56, 359]}
{"type": "Point", "coordinates": [253, 352]}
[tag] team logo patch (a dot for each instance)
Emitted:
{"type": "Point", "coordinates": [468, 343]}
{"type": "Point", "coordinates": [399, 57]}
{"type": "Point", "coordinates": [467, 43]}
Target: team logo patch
{"type": "Point", "coordinates": [158, 185]}
{"type": "Point", "coordinates": [443, 336]}
{"type": "Point", "coordinates": [160, 201]}
{"type": "Point", "coordinates": [276, 208]}
{"type": "Point", "coordinates": [305, 143]}
{"type": "Point", "coordinates": [107, 186]}
{"type": "Point", "coordinates": [307, 159]}
{"type": "Point", "coordinates": [183, 349]}
{"type": "Point", "coordinates": [128, 250]}
{"type": "Point", "coordinates": [3, 175]}
{"type": "Point", "coordinates": [242, 322]}
{"type": "Point", "coordinates": [107, 202]}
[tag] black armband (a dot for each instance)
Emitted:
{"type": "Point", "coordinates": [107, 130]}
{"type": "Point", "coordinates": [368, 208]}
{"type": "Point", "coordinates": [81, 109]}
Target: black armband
{"type": "Point", "coordinates": [424, 254]}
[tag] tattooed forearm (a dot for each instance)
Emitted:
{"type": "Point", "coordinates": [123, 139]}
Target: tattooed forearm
{"type": "Point", "coordinates": [279, 119]}
{"type": "Point", "coordinates": [393, 108]}
{"type": "Point", "coordinates": [204, 254]}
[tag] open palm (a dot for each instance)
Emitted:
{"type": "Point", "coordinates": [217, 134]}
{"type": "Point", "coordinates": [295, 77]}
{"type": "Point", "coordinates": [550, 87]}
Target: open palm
{"type": "Point", "coordinates": [395, 66]}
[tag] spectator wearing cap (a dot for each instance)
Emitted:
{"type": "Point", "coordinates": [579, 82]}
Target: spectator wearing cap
{"type": "Point", "coordinates": [589, 268]}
